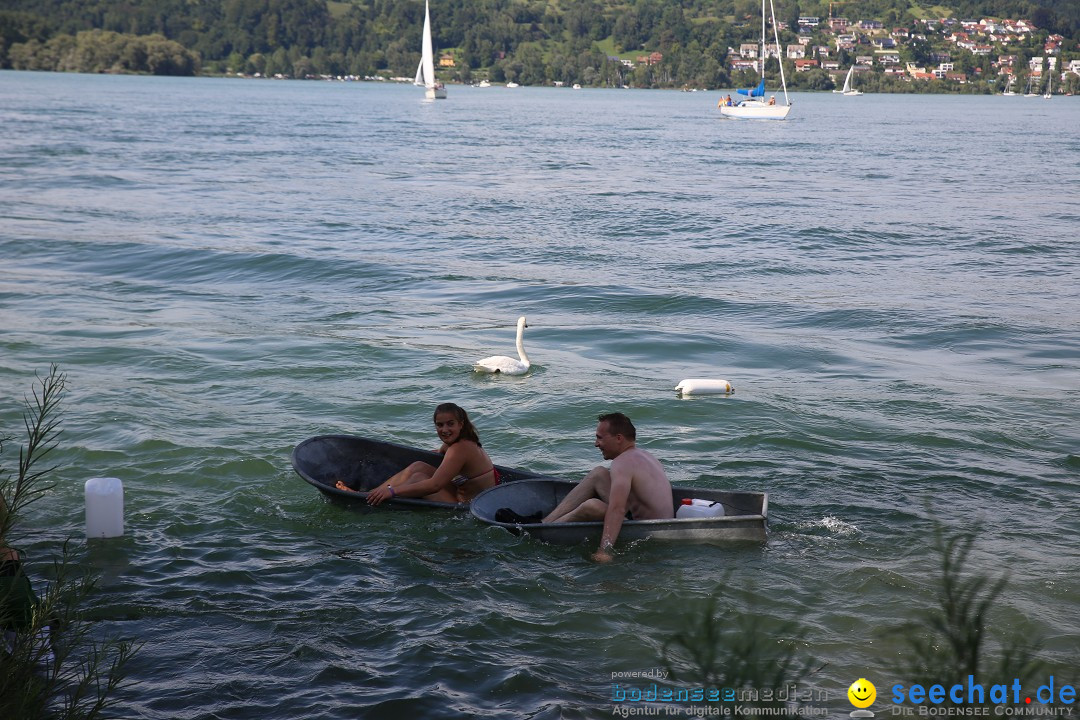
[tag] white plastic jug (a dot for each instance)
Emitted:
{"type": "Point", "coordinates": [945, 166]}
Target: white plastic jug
{"type": "Point", "coordinates": [695, 508]}
{"type": "Point", "coordinates": [104, 507]}
{"type": "Point", "coordinates": [704, 386]}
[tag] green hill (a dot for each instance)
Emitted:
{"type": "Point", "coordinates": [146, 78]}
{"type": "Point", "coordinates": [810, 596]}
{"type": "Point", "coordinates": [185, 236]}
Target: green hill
{"type": "Point", "coordinates": [530, 41]}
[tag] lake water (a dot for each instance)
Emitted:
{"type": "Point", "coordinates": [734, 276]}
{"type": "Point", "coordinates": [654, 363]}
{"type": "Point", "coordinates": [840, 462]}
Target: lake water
{"type": "Point", "coordinates": [224, 268]}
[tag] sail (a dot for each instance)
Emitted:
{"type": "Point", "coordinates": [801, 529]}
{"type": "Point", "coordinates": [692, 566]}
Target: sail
{"type": "Point", "coordinates": [847, 80]}
{"type": "Point", "coordinates": [759, 91]}
{"type": "Point", "coordinates": [425, 72]}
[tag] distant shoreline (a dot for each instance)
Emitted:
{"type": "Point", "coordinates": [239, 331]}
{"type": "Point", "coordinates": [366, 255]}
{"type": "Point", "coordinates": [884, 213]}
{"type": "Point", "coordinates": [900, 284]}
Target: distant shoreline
{"type": "Point", "coordinates": [916, 86]}
{"type": "Point", "coordinates": [919, 87]}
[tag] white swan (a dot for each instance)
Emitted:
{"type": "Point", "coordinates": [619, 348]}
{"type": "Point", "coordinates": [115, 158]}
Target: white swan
{"type": "Point", "coordinates": [507, 365]}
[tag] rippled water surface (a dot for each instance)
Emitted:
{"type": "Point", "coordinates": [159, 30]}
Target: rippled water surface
{"type": "Point", "coordinates": [224, 268]}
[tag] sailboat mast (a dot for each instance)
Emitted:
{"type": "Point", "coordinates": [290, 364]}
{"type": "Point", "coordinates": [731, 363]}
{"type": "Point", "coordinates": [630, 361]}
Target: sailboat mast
{"type": "Point", "coordinates": [762, 39]}
{"type": "Point", "coordinates": [779, 55]}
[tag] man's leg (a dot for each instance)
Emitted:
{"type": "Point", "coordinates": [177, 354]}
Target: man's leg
{"type": "Point", "coordinates": [595, 485]}
{"type": "Point", "coordinates": [591, 509]}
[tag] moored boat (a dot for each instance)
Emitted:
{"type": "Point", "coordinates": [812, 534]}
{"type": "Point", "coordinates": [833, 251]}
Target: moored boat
{"type": "Point", "coordinates": [754, 106]}
{"type": "Point", "coordinates": [745, 515]}
{"type": "Point", "coordinates": [362, 464]}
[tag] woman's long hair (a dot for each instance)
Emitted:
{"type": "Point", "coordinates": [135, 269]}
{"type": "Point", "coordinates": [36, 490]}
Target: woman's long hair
{"type": "Point", "coordinates": [468, 430]}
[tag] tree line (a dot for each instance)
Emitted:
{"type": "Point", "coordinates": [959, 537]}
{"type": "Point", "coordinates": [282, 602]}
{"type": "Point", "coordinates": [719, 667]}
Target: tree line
{"type": "Point", "coordinates": [528, 41]}
{"type": "Point", "coordinates": [103, 51]}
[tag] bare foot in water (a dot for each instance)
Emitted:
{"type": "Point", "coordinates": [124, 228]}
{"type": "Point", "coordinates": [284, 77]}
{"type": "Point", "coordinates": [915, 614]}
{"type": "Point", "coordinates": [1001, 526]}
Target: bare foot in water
{"type": "Point", "coordinates": [340, 485]}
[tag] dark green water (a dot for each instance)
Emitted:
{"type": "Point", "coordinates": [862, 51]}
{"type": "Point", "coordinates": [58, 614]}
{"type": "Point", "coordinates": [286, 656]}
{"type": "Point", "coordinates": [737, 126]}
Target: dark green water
{"type": "Point", "coordinates": [224, 268]}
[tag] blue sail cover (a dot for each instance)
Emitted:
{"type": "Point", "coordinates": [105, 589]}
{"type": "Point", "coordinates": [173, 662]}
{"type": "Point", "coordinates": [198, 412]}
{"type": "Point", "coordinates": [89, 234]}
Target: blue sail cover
{"type": "Point", "coordinates": [759, 91]}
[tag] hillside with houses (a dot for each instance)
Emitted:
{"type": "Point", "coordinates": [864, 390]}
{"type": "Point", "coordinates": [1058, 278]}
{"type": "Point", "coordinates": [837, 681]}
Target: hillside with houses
{"type": "Point", "coordinates": [988, 54]}
{"type": "Point", "coordinates": [894, 46]}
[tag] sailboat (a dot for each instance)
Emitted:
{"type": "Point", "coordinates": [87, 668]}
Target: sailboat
{"type": "Point", "coordinates": [755, 105]}
{"type": "Point", "coordinates": [425, 72]}
{"type": "Point", "coordinates": [1028, 92]}
{"type": "Point", "coordinates": [1049, 84]}
{"type": "Point", "coordinates": [848, 90]}
{"type": "Point", "coordinates": [1008, 86]}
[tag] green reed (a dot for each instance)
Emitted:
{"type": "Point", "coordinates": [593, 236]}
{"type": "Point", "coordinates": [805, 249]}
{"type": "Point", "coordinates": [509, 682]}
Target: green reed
{"type": "Point", "coordinates": [941, 644]}
{"type": "Point", "coordinates": [50, 665]}
{"type": "Point", "coordinates": [957, 636]}
{"type": "Point", "coordinates": [745, 651]}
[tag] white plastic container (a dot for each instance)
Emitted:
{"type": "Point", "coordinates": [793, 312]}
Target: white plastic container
{"type": "Point", "coordinates": [694, 508]}
{"type": "Point", "coordinates": [704, 386]}
{"type": "Point", "coordinates": [104, 507]}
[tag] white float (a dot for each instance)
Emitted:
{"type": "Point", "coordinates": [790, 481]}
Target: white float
{"type": "Point", "coordinates": [104, 507]}
{"type": "Point", "coordinates": [704, 386]}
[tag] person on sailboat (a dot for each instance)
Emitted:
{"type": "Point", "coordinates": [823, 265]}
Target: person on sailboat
{"type": "Point", "coordinates": [772, 100]}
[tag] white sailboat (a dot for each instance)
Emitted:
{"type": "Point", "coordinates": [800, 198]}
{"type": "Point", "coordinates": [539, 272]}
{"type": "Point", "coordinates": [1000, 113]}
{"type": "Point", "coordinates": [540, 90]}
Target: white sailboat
{"type": "Point", "coordinates": [1008, 87]}
{"type": "Point", "coordinates": [1028, 92]}
{"type": "Point", "coordinates": [1049, 84]}
{"type": "Point", "coordinates": [848, 90]}
{"type": "Point", "coordinates": [425, 72]}
{"type": "Point", "coordinates": [755, 105]}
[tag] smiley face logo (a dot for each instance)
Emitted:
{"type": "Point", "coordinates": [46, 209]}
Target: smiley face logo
{"type": "Point", "coordinates": [862, 693]}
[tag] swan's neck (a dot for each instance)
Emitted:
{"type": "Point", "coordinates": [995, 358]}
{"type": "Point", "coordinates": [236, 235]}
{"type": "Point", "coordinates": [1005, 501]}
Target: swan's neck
{"type": "Point", "coordinates": [521, 345]}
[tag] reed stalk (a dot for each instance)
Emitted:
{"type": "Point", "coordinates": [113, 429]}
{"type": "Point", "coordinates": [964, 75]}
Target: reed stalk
{"type": "Point", "coordinates": [51, 663]}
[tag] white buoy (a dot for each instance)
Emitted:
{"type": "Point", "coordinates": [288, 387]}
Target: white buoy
{"type": "Point", "coordinates": [104, 507]}
{"type": "Point", "coordinates": [704, 386]}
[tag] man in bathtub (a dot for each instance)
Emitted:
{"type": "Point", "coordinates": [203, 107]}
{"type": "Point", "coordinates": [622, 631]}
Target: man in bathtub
{"type": "Point", "coordinates": [634, 488]}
